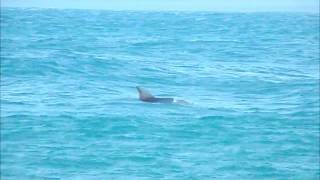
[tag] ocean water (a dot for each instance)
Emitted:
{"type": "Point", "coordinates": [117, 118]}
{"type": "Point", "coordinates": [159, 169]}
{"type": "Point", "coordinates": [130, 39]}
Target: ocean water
{"type": "Point", "coordinates": [70, 110]}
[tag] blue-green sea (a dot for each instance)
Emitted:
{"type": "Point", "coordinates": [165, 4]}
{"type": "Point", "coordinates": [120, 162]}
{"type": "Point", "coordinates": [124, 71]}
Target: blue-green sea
{"type": "Point", "coordinates": [70, 109]}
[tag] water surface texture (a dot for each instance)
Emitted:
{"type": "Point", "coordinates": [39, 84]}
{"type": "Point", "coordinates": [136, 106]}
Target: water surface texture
{"type": "Point", "coordinates": [69, 107]}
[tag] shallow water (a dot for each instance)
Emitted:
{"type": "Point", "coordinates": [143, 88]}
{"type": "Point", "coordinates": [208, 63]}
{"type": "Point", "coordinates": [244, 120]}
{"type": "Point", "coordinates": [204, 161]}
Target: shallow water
{"type": "Point", "coordinates": [69, 107]}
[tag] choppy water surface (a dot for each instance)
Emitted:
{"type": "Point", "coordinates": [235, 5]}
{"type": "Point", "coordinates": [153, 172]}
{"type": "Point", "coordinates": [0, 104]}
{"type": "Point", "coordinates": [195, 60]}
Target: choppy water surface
{"type": "Point", "coordinates": [69, 107]}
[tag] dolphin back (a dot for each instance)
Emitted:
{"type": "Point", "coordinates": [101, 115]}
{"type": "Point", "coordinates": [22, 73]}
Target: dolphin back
{"type": "Point", "coordinates": [164, 100]}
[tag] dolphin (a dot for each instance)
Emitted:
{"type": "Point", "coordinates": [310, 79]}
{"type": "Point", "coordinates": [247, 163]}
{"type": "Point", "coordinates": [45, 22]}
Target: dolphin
{"type": "Point", "coordinates": [146, 96]}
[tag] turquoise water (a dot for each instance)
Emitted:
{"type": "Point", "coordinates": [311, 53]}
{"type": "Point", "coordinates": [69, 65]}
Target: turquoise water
{"type": "Point", "coordinates": [69, 107]}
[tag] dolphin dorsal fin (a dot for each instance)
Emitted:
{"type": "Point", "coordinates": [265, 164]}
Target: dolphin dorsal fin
{"type": "Point", "coordinates": [144, 94]}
